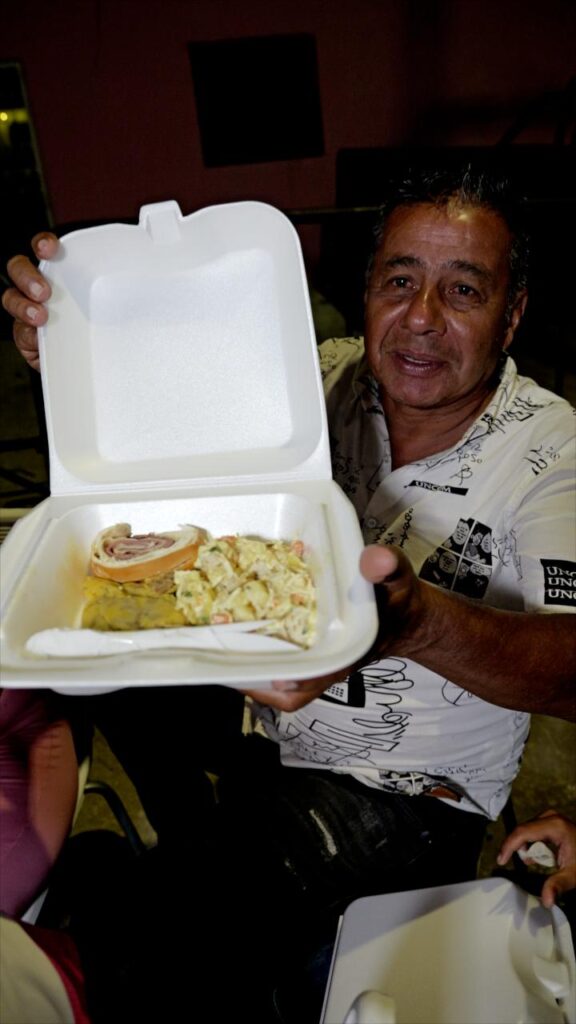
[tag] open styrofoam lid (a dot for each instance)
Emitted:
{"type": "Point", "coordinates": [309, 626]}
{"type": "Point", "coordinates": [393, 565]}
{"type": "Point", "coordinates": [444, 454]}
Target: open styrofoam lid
{"type": "Point", "coordinates": [182, 348]}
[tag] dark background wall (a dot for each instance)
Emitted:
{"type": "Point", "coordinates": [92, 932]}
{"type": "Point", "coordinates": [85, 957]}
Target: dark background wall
{"type": "Point", "coordinates": [111, 98]}
{"type": "Point", "coordinates": [116, 124]}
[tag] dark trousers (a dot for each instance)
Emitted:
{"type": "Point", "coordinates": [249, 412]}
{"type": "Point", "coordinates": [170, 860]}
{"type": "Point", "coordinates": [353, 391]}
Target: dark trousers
{"type": "Point", "coordinates": [308, 842]}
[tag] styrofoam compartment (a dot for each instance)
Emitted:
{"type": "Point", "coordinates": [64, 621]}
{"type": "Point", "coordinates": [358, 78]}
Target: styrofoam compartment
{"type": "Point", "coordinates": [181, 386]}
{"type": "Point", "coordinates": [482, 952]}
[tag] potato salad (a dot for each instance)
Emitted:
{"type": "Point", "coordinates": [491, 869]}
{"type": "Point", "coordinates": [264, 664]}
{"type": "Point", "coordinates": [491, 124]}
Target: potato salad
{"type": "Point", "coordinates": [239, 579]}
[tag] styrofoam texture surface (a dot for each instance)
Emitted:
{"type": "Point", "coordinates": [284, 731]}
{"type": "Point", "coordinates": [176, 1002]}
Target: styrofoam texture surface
{"type": "Point", "coordinates": [42, 584]}
{"type": "Point", "coordinates": [182, 349]}
{"type": "Point", "coordinates": [461, 954]}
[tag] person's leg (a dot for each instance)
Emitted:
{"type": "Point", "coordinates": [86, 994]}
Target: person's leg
{"type": "Point", "coordinates": [313, 841]}
{"type": "Point", "coordinates": [38, 789]}
{"type": "Point", "coordinates": [456, 839]}
{"type": "Point", "coordinates": [336, 837]}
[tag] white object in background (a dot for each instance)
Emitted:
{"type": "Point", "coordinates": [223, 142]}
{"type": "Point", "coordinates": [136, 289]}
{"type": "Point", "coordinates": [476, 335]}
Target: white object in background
{"type": "Point", "coordinates": [371, 1008]}
{"type": "Point", "coordinates": [538, 853]}
{"type": "Point", "coordinates": [483, 952]}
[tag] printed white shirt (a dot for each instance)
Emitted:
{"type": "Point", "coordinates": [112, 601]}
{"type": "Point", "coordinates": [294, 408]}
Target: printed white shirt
{"type": "Point", "coordinates": [492, 518]}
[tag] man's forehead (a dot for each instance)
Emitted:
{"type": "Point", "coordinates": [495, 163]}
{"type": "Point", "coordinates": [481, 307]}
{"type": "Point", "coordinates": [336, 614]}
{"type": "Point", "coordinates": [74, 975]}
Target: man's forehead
{"type": "Point", "coordinates": [455, 231]}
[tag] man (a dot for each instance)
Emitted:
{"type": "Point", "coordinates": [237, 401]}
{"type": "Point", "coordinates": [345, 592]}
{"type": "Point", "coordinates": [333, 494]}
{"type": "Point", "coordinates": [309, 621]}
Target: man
{"type": "Point", "coordinates": [445, 296]}
{"type": "Point", "coordinates": [462, 476]}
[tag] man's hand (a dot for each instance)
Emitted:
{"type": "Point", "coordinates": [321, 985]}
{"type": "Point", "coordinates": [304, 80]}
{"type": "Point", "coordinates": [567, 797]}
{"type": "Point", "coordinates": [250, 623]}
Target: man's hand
{"type": "Point", "coordinates": [398, 594]}
{"type": "Point", "coordinates": [25, 301]}
{"type": "Point", "coordinates": [557, 830]}
{"type": "Point", "coordinates": [290, 695]}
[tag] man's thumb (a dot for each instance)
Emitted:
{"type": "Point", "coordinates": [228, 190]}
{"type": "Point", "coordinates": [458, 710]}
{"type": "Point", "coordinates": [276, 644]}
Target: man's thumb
{"type": "Point", "coordinates": [378, 564]}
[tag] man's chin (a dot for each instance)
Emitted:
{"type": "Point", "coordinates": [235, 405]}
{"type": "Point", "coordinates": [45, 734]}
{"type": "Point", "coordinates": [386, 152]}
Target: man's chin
{"type": "Point", "coordinates": [417, 393]}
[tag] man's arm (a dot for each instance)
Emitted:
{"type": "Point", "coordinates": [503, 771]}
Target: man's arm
{"type": "Point", "coordinates": [520, 660]}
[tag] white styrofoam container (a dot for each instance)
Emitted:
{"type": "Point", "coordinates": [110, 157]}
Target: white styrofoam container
{"type": "Point", "coordinates": [482, 952]}
{"type": "Point", "coordinates": [181, 385]}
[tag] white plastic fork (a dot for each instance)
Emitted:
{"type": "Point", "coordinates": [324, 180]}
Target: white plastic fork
{"type": "Point", "coordinates": [239, 637]}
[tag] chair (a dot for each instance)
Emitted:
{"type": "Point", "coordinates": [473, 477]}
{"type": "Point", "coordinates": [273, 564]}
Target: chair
{"type": "Point", "coordinates": [96, 787]}
{"type": "Point", "coordinates": [91, 787]}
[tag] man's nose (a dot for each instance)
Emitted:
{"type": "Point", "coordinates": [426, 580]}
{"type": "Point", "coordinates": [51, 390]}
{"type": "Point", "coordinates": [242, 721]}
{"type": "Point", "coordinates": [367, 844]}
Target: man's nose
{"type": "Point", "coordinates": [424, 313]}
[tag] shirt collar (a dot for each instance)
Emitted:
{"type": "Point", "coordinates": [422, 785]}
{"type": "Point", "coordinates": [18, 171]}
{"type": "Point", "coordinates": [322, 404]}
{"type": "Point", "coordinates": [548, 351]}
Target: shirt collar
{"type": "Point", "coordinates": [366, 387]}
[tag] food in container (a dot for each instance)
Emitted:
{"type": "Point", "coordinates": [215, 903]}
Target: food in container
{"type": "Point", "coordinates": [188, 577]}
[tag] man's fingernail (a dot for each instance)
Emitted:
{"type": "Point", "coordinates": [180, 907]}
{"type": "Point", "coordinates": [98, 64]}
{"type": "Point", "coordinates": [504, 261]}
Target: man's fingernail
{"type": "Point", "coordinates": [32, 313]}
{"type": "Point", "coordinates": [36, 289]}
{"type": "Point", "coordinates": [284, 684]}
{"type": "Point", "coordinates": [42, 246]}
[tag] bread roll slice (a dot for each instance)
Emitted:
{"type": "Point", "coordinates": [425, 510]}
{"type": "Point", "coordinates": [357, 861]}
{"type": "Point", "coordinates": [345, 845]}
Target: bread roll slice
{"type": "Point", "coordinates": [119, 555]}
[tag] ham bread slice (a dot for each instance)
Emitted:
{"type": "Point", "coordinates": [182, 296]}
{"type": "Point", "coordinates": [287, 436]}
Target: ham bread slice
{"type": "Point", "coordinates": [118, 554]}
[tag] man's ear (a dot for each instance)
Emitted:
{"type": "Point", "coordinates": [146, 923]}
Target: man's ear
{"type": "Point", "coordinates": [514, 318]}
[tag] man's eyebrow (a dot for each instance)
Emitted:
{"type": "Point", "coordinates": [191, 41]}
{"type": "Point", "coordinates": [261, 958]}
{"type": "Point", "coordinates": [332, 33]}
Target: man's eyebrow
{"type": "Point", "coordinates": [477, 270]}
{"type": "Point", "coordinates": [396, 260]}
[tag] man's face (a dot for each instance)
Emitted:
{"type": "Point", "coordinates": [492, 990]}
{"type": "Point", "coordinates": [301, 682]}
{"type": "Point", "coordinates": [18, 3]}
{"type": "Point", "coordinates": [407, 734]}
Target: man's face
{"type": "Point", "coordinates": [436, 302]}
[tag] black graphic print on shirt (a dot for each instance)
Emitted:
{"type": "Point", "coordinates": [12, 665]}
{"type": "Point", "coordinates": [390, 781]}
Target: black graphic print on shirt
{"type": "Point", "coordinates": [377, 691]}
{"type": "Point", "coordinates": [463, 563]}
{"type": "Point", "coordinates": [350, 691]}
{"type": "Point", "coordinates": [559, 582]}
{"type": "Point", "coordinates": [442, 488]}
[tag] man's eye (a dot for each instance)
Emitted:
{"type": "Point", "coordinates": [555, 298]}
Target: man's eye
{"type": "Point", "coordinates": [392, 287]}
{"type": "Point", "coordinates": [465, 291]}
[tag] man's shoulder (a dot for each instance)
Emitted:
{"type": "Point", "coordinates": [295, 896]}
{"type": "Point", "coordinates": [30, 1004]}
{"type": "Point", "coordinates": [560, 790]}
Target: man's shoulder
{"type": "Point", "coordinates": [335, 351]}
{"type": "Point", "coordinates": [522, 400]}
{"type": "Point", "coordinates": [339, 356]}
{"type": "Point", "coordinates": [543, 395]}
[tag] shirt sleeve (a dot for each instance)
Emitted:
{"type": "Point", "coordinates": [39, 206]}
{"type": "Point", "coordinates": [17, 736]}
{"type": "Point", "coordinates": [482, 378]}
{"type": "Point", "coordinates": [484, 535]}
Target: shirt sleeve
{"type": "Point", "coordinates": [544, 533]}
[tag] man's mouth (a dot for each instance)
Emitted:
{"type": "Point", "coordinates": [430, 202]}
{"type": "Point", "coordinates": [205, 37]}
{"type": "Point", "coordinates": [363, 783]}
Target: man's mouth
{"type": "Point", "coordinates": [417, 365]}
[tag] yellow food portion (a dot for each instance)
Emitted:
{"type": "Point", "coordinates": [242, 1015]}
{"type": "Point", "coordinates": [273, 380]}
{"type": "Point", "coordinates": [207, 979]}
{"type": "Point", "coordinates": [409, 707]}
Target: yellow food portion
{"type": "Point", "coordinates": [235, 579]}
{"type": "Point", "coordinates": [240, 579]}
{"type": "Point", "coordinates": [150, 604]}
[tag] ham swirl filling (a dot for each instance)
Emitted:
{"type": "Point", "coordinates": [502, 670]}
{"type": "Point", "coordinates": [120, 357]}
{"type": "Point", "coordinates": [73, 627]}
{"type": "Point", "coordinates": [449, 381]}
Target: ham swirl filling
{"type": "Point", "coordinates": [125, 548]}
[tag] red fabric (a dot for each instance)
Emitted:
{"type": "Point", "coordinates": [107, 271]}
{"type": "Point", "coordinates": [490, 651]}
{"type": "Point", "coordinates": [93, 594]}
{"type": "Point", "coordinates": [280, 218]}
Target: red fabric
{"type": "Point", "coordinates": [61, 950]}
